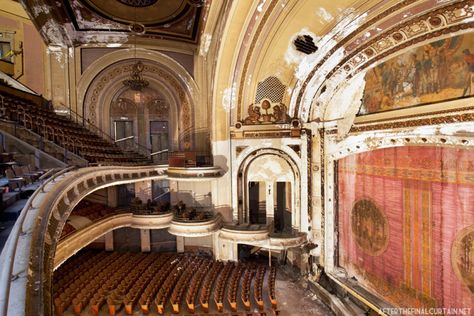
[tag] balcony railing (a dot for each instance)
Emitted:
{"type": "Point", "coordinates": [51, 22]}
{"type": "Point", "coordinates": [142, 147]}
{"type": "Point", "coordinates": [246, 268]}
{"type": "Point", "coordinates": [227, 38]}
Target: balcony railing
{"type": "Point", "coordinates": [189, 159]}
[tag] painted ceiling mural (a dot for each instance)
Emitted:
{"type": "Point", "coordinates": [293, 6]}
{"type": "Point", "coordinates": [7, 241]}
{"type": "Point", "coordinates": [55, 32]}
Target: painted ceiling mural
{"type": "Point", "coordinates": [439, 71]}
{"type": "Point", "coordinates": [113, 21]}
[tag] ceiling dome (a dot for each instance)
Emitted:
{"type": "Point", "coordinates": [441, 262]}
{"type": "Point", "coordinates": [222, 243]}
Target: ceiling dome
{"type": "Point", "coordinates": [147, 12]}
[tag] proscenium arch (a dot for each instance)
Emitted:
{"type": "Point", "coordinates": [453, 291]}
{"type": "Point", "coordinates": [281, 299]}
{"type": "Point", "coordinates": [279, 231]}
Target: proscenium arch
{"type": "Point", "coordinates": [242, 190]}
{"type": "Point", "coordinates": [349, 147]}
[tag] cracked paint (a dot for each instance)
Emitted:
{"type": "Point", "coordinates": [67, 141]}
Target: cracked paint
{"type": "Point", "coordinates": [324, 14]}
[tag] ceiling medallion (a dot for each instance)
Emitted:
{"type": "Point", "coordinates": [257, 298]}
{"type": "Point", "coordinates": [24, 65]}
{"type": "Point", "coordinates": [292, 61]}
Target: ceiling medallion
{"type": "Point", "coordinates": [137, 28]}
{"type": "Point", "coordinates": [138, 3]}
{"type": "Point", "coordinates": [136, 82]}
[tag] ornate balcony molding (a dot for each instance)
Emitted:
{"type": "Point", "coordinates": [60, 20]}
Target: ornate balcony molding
{"type": "Point", "coordinates": [68, 246]}
{"type": "Point", "coordinates": [262, 237]}
{"type": "Point", "coordinates": [196, 228]}
{"type": "Point", "coordinates": [241, 234]}
{"type": "Point", "coordinates": [194, 174]}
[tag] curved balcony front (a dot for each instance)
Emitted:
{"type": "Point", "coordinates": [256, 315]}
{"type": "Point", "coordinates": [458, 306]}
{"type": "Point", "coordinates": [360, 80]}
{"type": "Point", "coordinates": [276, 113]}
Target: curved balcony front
{"type": "Point", "coordinates": [77, 240]}
{"type": "Point", "coordinates": [261, 236]}
{"type": "Point", "coordinates": [195, 228]}
{"type": "Point", "coordinates": [289, 240]}
{"type": "Point", "coordinates": [245, 233]}
{"type": "Point", "coordinates": [193, 173]}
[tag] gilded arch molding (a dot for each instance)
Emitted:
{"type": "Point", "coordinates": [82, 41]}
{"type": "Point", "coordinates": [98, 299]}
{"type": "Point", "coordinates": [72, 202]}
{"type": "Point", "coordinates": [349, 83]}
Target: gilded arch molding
{"type": "Point", "coordinates": [107, 73]}
{"type": "Point", "coordinates": [358, 52]}
{"type": "Point", "coordinates": [107, 84]}
{"type": "Point", "coordinates": [103, 62]}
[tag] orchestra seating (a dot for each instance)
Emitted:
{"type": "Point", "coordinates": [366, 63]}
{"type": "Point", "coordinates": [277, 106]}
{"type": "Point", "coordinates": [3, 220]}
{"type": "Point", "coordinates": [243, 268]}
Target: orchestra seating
{"type": "Point", "coordinates": [66, 133]}
{"type": "Point", "coordinates": [108, 283]}
{"type": "Point", "coordinates": [271, 287]}
{"type": "Point", "coordinates": [92, 211]}
{"type": "Point", "coordinates": [221, 285]}
{"type": "Point", "coordinates": [258, 286]}
{"type": "Point", "coordinates": [246, 282]}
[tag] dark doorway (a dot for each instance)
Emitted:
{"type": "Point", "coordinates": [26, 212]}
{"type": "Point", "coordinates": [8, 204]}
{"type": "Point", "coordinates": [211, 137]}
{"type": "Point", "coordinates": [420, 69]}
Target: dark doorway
{"type": "Point", "coordinates": [257, 203]}
{"type": "Point", "coordinates": [283, 207]}
{"type": "Point", "coordinates": [159, 140]}
{"type": "Point", "coordinates": [123, 133]}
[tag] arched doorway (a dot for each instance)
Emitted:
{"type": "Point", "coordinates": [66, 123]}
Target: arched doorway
{"type": "Point", "coordinates": [142, 117]}
{"type": "Point", "coordinates": [269, 191]}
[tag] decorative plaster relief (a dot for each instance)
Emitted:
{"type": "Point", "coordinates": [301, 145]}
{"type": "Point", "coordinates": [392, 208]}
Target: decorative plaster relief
{"type": "Point", "coordinates": [459, 135]}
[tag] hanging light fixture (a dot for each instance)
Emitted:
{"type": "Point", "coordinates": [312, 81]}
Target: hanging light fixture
{"type": "Point", "coordinates": [136, 81]}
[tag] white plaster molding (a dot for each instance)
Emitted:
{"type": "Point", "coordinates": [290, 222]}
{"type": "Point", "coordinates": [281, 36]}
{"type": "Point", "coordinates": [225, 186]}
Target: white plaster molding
{"type": "Point", "coordinates": [194, 174]}
{"type": "Point", "coordinates": [196, 228]}
{"type": "Point", "coordinates": [243, 235]}
{"type": "Point", "coordinates": [70, 245]}
{"type": "Point", "coordinates": [460, 135]}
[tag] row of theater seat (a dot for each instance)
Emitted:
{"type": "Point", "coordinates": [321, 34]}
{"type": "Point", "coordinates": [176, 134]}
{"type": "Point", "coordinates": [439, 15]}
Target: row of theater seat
{"type": "Point", "coordinates": [19, 176]}
{"type": "Point", "coordinates": [207, 285]}
{"type": "Point", "coordinates": [246, 282]}
{"type": "Point", "coordinates": [258, 286]}
{"type": "Point", "coordinates": [136, 280]}
{"type": "Point", "coordinates": [234, 287]}
{"type": "Point", "coordinates": [195, 283]}
{"type": "Point", "coordinates": [90, 210]}
{"type": "Point", "coordinates": [67, 133]}
{"type": "Point", "coordinates": [271, 286]}
{"type": "Point", "coordinates": [221, 286]}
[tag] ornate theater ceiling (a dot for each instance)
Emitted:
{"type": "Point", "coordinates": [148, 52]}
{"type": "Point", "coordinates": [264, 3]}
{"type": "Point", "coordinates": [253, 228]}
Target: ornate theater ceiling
{"type": "Point", "coordinates": [77, 22]}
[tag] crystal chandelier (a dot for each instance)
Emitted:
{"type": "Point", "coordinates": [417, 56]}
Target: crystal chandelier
{"type": "Point", "coordinates": [136, 81]}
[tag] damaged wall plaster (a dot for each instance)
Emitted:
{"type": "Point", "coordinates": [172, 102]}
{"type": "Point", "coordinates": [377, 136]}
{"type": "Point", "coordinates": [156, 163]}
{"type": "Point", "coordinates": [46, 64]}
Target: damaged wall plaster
{"type": "Point", "coordinates": [346, 26]}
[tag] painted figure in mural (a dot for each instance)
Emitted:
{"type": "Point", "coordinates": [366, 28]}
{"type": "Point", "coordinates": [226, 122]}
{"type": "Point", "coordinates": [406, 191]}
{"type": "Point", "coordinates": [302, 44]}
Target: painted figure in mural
{"type": "Point", "coordinates": [469, 59]}
{"type": "Point", "coordinates": [425, 73]}
{"type": "Point", "coordinates": [414, 74]}
{"type": "Point", "coordinates": [385, 72]}
{"type": "Point", "coordinates": [443, 68]}
{"type": "Point", "coordinates": [434, 72]}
